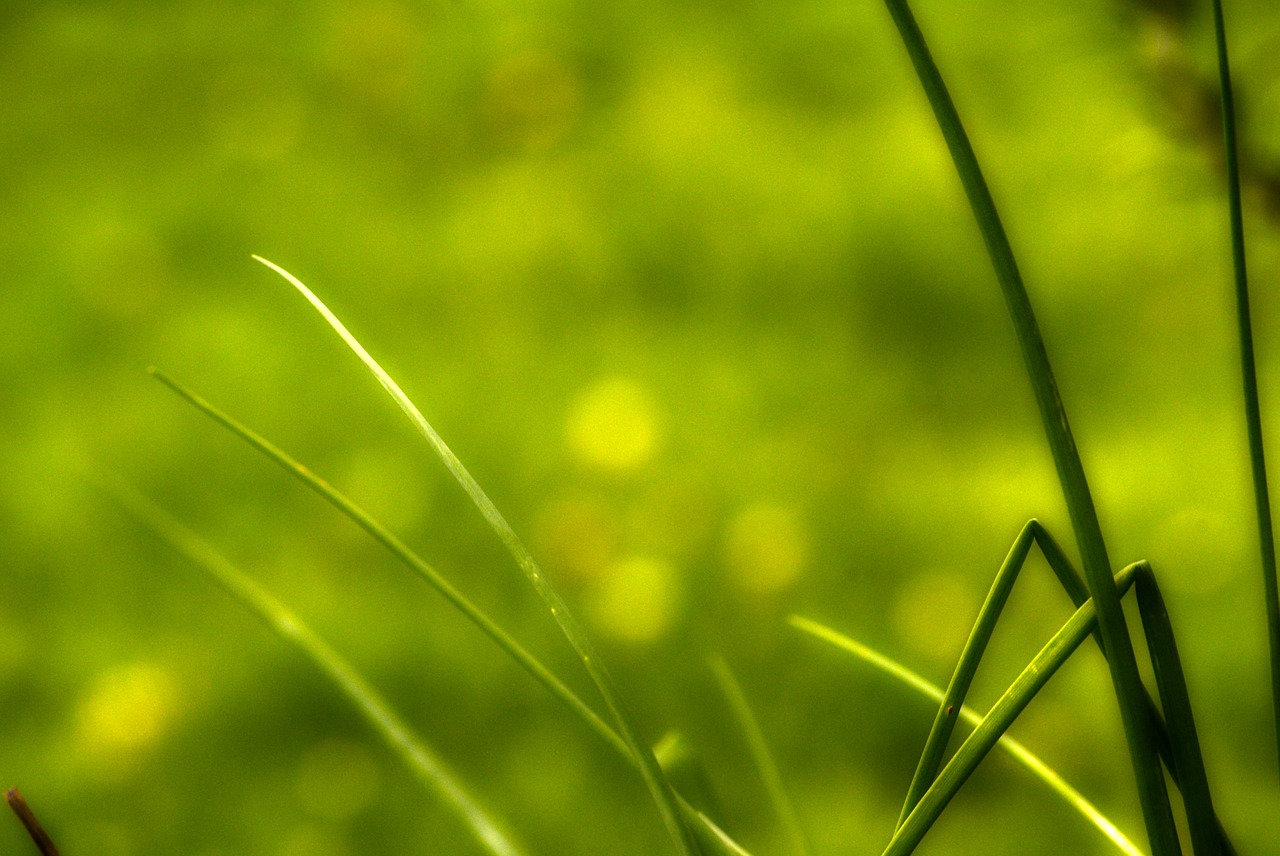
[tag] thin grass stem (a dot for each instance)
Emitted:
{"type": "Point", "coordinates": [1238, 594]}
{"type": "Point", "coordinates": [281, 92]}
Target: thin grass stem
{"type": "Point", "coordinates": [1248, 368]}
{"type": "Point", "coordinates": [663, 795]}
{"type": "Point", "coordinates": [422, 761]}
{"type": "Point", "coordinates": [1122, 662]}
{"type": "Point", "coordinates": [415, 562]}
{"type": "Point", "coordinates": [766, 764]}
{"type": "Point", "coordinates": [1017, 750]}
{"type": "Point", "coordinates": [405, 554]}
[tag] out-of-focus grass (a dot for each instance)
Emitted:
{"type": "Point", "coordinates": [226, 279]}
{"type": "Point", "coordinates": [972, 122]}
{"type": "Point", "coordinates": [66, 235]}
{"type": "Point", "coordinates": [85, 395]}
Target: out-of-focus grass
{"type": "Point", "coordinates": [644, 266]}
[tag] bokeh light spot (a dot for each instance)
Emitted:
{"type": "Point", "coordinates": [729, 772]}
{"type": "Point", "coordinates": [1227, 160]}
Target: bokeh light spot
{"type": "Point", "coordinates": [129, 707]}
{"type": "Point", "coordinates": [636, 599]}
{"type": "Point", "coordinates": [766, 547]}
{"type": "Point", "coordinates": [614, 426]}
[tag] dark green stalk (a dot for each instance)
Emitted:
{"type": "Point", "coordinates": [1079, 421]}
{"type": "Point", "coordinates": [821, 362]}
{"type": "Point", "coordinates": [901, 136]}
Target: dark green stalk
{"type": "Point", "coordinates": [1252, 411]}
{"type": "Point", "coordinates": [1188, 763]}
{"type": "Point", "coordinates": [1111, 621]}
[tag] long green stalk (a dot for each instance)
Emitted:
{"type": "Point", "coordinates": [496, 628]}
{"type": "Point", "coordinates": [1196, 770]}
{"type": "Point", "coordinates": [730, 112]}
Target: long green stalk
{"type": "Point", "coordinates": [1019, 752]}
{"type": "Point", "coordinates": [765, 763]}
{"type": "Point", "coordinates": [663, 795]}
{"type": "Point", "coordinates": [1121, 660]}
{"type": "Point", "coordinates": [421, 760]}
{"type": "Point", "coordinates": [1248, 369]}
{"type": "Point", "coordinates": [711, 836]}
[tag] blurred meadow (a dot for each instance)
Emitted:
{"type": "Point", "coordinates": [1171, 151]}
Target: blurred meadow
{"type": "Point", "coordinates": [693, 291]}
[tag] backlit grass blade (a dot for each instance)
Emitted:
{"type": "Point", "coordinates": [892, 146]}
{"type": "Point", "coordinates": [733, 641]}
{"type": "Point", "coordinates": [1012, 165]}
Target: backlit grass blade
{"type": "Point", "coordinates": [1249, 371]}
{"type": "Point", "coordinates": [760, 754]}
{"type": "Point", "coordinates": [997, 721]}
{"type": "Point", "coordinates": [1084, 517]}
{"type": "Point", "coordinates": [405, 554]}
{"type": "Point", "coordinates": [663, 795]}
{"type": "Point", "coordinates": [421, 760]}
{"type": "Point", "coordinates": [1020, 753]}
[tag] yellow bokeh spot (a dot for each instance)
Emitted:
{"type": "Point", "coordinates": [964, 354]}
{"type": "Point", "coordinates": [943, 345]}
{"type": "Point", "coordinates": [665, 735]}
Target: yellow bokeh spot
{"type": "Point", "coordinates": [636, 599]}
{"type": "Point", "coordinates": [614, 426]}
{"type": "Point", "coordinates": [129, 707]}
{"type": "Point", "coordinates": [766, 547]}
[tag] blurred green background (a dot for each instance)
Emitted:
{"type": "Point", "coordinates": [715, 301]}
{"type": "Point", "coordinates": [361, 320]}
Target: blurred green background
{"type": "Point", "coordinates": [693, 291]}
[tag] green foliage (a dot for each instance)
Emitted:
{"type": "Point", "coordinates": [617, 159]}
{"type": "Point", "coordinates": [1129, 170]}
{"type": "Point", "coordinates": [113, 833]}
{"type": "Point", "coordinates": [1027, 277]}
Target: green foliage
{"type": "Point", "coordinates": [695, 296]}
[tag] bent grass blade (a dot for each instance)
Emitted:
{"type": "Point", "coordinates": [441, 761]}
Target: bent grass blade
{"type": "Point", "coordinates": [421, 760]}
{"type": "Point", "coordinates": [663, 795]}
{"type": "Point", "coordinates": [711, 836]}
{"type": "Point", "coordinates": [1019, 752]}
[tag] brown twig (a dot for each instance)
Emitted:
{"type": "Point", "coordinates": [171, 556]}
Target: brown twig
{"type": "Point", "coordinates": [34, 829]}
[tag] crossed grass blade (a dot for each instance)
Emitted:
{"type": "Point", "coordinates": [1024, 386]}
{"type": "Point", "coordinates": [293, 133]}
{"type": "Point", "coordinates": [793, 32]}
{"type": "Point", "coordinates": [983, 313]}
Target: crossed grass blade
{"type": "Point", "coordinates": [1122, 662]}
{"type": "Point", "coordinates": [712, 838]}
{"type": "Point", "coordinates": [488, 830]}
{"type": "Point", "coordinates": [1019, 752]}
{"type": "Point", "coordinates": [663, 794]}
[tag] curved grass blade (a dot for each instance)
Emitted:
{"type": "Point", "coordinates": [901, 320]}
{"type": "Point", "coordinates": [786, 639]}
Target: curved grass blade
{"type": "Point", "coordinates": [709, 832]}
{"type": "Point", "coordinates": [760, 754]}
{"type": "Point", "coordinates": [405, 554]}
{"type": "Point", "coordinates": [998, 720]}
{"type": "Point", "coordinates": [1122, 662]}
{"type": "Point", "coordinates": [1248, 369]}
{"type": "Point", "coordinates": [421, 760]}
{"type": "Point", "coordinates": [1020, 753]}
{"type": "Point", "coordinates": [663, 795]}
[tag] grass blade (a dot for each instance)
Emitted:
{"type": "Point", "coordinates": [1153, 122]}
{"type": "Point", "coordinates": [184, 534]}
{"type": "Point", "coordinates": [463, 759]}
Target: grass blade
{"type": "Point", "coordinates": [1188, 763]}
{"type": "Point", "coordinates": [997, 721]}
{"type": "Point", "coordinates": [663, 795]}
{"type": "Point", "coordinates": [405, 554]}
{"type": "Point", "coordinates": [1249, 372]}
{"type": "Point", "coordinates": [421, 760]}
{"type": "Point", "coordinates": [760, 754]}
{"type": "Point", "coordinates": [935, 745]}
{"type": "Point", "coordinates": [1084, 517]}
{"type": "Point", "coordinates": [1020, 753]}
{"type": "Point", "coordinates": [709, 832]}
